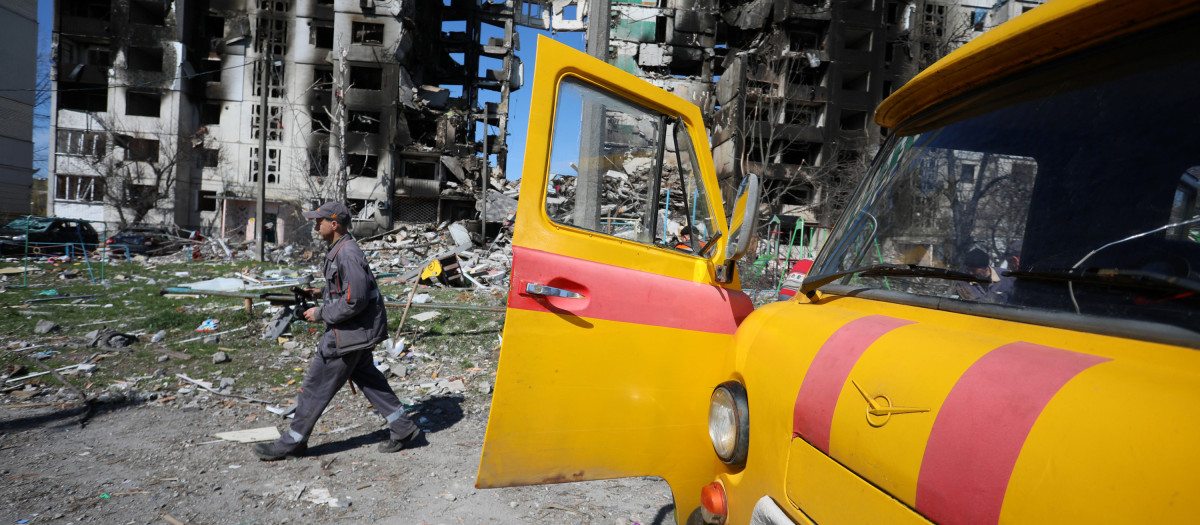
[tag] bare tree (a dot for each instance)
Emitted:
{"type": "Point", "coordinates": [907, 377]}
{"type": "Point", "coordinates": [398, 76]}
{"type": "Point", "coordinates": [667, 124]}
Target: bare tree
{"type": "Point", "coordinates": [781, 139]}
{"type": "Point", "coordinates": [140, 170]}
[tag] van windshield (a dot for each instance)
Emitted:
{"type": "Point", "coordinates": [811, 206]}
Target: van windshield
{"type": "Point", "coordinates": [1079, 197]}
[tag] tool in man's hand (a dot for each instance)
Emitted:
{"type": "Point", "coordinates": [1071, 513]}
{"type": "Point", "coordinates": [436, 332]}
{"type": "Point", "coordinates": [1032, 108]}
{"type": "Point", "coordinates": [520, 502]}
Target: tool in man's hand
{"type": "Point", "coordinates": [294, 311]}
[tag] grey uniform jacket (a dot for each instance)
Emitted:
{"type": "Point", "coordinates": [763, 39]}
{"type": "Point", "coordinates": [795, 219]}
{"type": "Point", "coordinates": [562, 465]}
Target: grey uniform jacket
{"type": "Point", "coordinates": [353, 312]}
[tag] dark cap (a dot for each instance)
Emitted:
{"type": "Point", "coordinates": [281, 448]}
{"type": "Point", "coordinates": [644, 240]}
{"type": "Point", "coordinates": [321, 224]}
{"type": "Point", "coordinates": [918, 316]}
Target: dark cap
{"type": "Point", "coordinates": [977, 259]}
{"type": "Point", "coordinates": [330, 210]}
{"type": "Point", "coordinates": [1014, 249]}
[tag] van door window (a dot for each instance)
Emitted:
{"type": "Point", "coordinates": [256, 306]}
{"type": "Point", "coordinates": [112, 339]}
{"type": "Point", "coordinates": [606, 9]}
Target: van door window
{"type": "Point", "coordinates": [625, 170]}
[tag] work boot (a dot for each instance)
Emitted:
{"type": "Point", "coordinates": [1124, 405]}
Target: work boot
{"type": "Point", "coordinates": [396, 445]}
{"type": "Point", "coordinates": [272, 451]}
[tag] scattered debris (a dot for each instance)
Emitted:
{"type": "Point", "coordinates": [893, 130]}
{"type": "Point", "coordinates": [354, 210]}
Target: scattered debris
{"type": "Point", "coordinates": [426, 316]}
{"type": "Point", "coordinates": [323, 497]}
{"type": "Point", "coordinates": [44, 327]}
{"type": "Point", "coordinates": [252, 435]}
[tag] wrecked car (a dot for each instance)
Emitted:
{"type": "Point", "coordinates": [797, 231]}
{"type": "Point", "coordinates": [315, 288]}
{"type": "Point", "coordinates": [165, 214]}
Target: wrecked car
{"type": "Point", "coordinates": [150, 240]}
{"type": "Point", "coordinates": [887, 390]}
{"type": "Point", "coordinates": [36, 235]}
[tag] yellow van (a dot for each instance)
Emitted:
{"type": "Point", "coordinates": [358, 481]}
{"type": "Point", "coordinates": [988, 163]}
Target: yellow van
{"type": "Point", "coordinates": [1002, 327]}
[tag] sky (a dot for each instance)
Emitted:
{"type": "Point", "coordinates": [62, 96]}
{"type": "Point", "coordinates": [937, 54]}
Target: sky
{"type": "Point", "coordinates": [41, 120]}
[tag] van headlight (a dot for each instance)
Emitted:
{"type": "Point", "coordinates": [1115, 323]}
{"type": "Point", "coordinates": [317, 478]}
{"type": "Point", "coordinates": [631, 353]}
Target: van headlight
{"type": "Point", "coordinates": [729, 422]}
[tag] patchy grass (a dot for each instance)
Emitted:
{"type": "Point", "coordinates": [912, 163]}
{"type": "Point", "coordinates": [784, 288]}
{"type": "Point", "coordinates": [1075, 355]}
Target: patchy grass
{"type": "Point", "coordinates": [128, 300]}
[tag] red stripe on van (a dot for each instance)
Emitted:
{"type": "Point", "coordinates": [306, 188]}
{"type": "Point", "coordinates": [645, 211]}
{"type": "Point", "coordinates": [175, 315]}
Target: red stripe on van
{"type": "Point", "coordinates": [614, 293]}
{"type": "Point", "coordinates": [982, 426]}
{"type": "Point", "coordinates": [827, 375]}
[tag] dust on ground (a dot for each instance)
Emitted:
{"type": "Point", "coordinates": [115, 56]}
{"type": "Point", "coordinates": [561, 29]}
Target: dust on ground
{"type": "Point", "coordinates": [123, 433]}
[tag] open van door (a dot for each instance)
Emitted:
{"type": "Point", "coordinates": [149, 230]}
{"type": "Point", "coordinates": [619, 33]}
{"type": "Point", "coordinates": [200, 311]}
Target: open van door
{"type": "Point", "coordinates": [617, 326]}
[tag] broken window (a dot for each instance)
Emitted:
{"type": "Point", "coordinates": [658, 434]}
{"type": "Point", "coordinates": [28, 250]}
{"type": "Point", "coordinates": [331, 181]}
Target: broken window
{"type": "Point", "coordinates": [856, 80]}
{"type": "Point", "coordinates": [92, 9]}
{"type": "Point", "coordinates": [210, 69]}
{"type": "Point", "coordinates": [140, 192]}
{"type": "Point", "coordinates": [420, 170]}
{"type": "Point", "coordinates": [78, 188]}
{"type": "Point", "coordinates": [274, 121]}
{"type": "Point", "coordinates": [802, 40]}
{"type": "Point", "coordinates": [858, 39]}
{"type": "Point", "coordinates": [148, 12]}
{"type": "Point", "coordinates": [142, 104]}
{"type": "Point", "coordinates": [800, 75]}
{"type": "Point", "coordinates": [142, 150]}
{"type": "Point", "coordinates": [272, 165]}
{"type": "Point", "coordinates": [366, 77]}
{"type": "Point", "coordinates": [362, 122]}
{"type": "Point", "coordinates": [214, 26]}
{"type": "Point", "coordinates": [144, 58]}
{"type": "Point", "coordinates": [861, 5]}
{"type": "Point", "coordinates": [892, 14]}
{"type": "Point", "coordinates": [322, 78]}
{"type": "Point", "coordinates": [206, 201]}
{"type": "Point", "coordinates": [366, 33]}
{"type": "Point", "coordinates": [362, 165]}
{"type": "Point", "coordinates": [318, 165]}
{"type": "Point", "coordinates": [626, 171]}
{"type": "Point", "coordinates": [852, 120]}
{"type": "Point", "coordinates": [804, 115]}
{"type": "Point", "coordinates": [210, 114]}
{"type": "Point", "coordinates": [82, 97]}
{"type": "Point", "coordinates": [320, 119]}
{"type": "Point", "coordinates": [97, 56]}
{"type": "Point", "coordinates": [210, 157]}
{"type": "Point", "coordinates": [321, 36]}
{"type": "Point", "coordinates": [79, 142]}
{"type": "Point", "coordinates": [978, 17]}
{"type": "Point", "coordinates": [797, 196]}
{"type": "Point", "coordinates": [356, 205]}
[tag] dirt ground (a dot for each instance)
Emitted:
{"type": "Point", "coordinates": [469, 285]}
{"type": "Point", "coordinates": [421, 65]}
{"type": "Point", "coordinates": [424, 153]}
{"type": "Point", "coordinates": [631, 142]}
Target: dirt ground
{"type": "Point", "coordinates": [146, 452]}
{"type": "Point", "coordinates": [149, 463]}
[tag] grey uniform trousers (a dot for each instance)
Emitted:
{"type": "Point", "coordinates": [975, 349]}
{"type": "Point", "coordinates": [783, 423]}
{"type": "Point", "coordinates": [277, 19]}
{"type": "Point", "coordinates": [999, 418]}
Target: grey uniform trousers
{"type": "Point", "coordinates": [325, 377]}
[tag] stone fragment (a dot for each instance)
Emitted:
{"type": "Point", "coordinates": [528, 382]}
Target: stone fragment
{"type": "Point", "coordinates": [45, 326]}
{"type": "Point", "coordinates": [221, 357]}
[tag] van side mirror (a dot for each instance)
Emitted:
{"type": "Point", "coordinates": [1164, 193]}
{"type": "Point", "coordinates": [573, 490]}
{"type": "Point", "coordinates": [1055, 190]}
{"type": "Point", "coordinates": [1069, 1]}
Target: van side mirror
{"type": "Point", "coordinates": [743, 221]}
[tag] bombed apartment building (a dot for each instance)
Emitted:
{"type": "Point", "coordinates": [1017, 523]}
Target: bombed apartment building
{"type": "Point", "coordinates": [171, 111]}
{"type": "Point", "coordinates": [788, 87]}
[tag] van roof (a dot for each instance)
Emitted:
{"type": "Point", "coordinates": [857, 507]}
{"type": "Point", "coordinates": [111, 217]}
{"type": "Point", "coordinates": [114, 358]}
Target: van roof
{"type": "Point", "coordinates": [1052, 30]}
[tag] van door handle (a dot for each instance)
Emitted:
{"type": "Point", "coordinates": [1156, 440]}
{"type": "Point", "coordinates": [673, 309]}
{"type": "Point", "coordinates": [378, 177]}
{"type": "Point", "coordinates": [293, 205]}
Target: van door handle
{"type": "Point", "coordinates": [541, 289]}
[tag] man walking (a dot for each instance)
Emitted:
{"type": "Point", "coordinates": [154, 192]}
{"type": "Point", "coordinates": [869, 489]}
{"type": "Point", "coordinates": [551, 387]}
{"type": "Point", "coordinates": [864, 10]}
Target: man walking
{"type": "Point", "coordinates": [355, 321]}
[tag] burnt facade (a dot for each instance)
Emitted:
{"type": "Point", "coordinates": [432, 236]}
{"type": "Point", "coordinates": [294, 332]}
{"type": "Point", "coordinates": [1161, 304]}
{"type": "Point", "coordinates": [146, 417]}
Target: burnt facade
{"type": "Point", "coordinates": [788, 87]}
{"type": "Point", "coordinates": [373, 103]}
